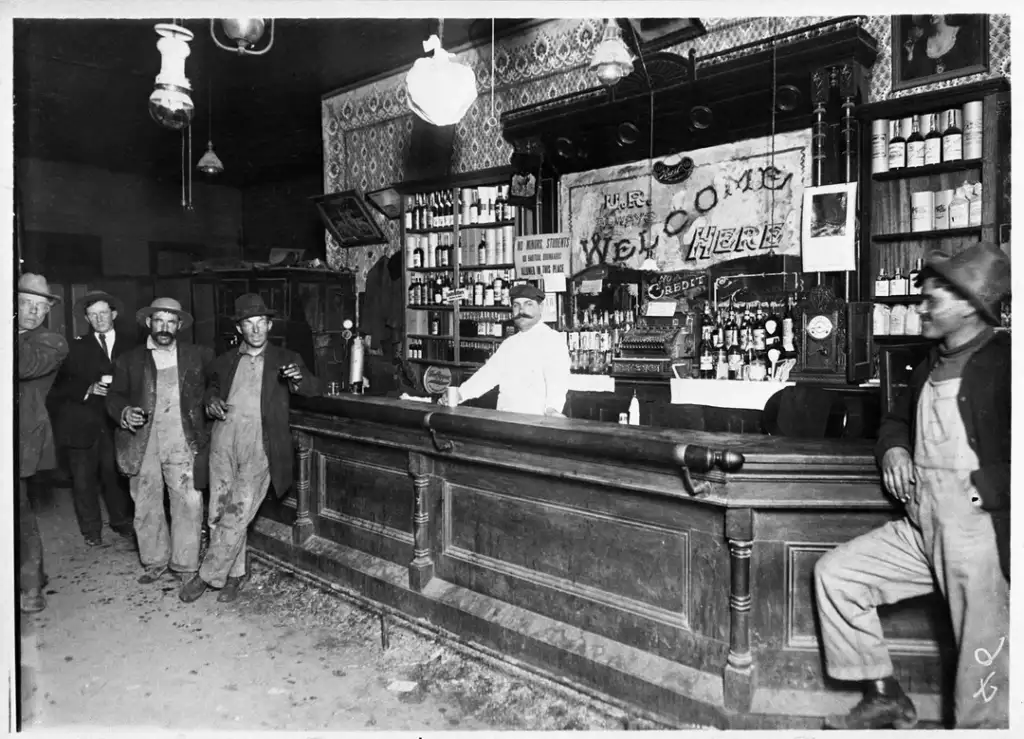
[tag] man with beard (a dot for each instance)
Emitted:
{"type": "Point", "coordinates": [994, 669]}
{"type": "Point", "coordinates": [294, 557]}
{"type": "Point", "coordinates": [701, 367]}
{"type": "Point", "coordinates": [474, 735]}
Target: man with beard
{"type": "Point", "coordinates": [530, 368]}
{"type": "Point", "coordinates": [157, 401]}
{"type": "Point", "coordinates": [40, 353]}
{"type": "Point", "coordinates": [944, 451]}
{"type": "Point", "coordinates": [249, 395]}
{"type": "Point", "coordinates": [83, 426]}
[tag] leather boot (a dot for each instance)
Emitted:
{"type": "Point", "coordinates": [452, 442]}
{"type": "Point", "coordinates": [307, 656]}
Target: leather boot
{"type": "Point", "coordinates": [230, 590]}
{"type": "Point", "coordinates": [192, 589]}
{"type": "Point", "coordinates": [884, 706]}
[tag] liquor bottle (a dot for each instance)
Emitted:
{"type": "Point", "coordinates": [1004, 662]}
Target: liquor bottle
{"type": "Point", "coordinates": [478, 291]}
{"type": "Point", "coordinates": [732, 328]}
{"type": "Point", "coordinates": [417, 255]}
{"type": "Point", "coordinates": [882, 284]}
{"type": "Point", "coordinates": [735, 362]}
{"type": "Point", "coordinates": [933, 142]}
{"type": "Point", "coordinates": [913, 288]}
{"type": "Point", "coordinates": [897, 147]}
{"type": "Point", "coordinates": [718, 335]}
{"type": "Point", "coordinates": [759, 333]}
{"type": "Point", "coordinates": [772, 327]}
{"type": "Point", "coordinates": [952, 139]}
{"type": "Point", "coordinates": [474, 210]}
{"type": "Point", "coordinates": [898, 284]}
{"type": "Point", "coordinates": [707, 355]}
{"type": "Point", "coordinates": [499, 293]}
{"type": "Point", "coordinates": [408, 214]}
{"type": "Point", "coordinates": [788, 348]}
{"type": "Point", "coordinates": [481, 253]}
{"type": "Point", "coordinates": [915, 145]}
{"type": "Point", "coordinates": [435, 324]}
{"type": "Point", "coordinates": [412, 293]}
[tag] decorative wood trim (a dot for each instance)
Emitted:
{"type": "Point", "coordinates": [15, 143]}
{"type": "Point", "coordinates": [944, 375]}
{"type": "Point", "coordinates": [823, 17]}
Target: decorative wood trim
{"type": "Point", "coordinates": [372, 527]}
{"type": "Point", "coordinates": [302, 529]}
{"type": "Point", "coordinates": [421, 569]}
{"type": "Point", "coordinates": [740, 672]}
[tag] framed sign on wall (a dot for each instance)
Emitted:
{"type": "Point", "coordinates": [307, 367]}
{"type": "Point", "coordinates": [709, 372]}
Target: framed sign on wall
{"type": "Point", "coordinates": [347, 218]}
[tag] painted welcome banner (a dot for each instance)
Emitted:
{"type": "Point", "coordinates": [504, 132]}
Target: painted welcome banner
{"type": "Point", "coordinates": [739, 200]}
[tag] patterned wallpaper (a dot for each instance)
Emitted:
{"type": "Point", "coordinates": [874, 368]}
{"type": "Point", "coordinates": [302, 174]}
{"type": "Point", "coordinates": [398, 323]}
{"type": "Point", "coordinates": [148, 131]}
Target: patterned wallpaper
{"type": "Point", "coordinates": [366, 131]}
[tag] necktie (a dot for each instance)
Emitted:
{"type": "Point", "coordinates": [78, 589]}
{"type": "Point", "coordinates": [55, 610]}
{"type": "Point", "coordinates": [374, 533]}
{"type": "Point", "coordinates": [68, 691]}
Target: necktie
{"type": "Point", "coordinates": [103, 343]}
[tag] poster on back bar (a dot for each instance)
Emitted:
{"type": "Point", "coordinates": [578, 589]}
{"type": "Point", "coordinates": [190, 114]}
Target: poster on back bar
{"type": "Point", "coordinates": [691, 210]}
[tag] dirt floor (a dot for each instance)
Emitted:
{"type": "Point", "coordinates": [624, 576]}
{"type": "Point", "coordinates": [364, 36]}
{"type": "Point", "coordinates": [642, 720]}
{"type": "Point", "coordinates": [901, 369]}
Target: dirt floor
{"type": "Point", "coordinates": [110, 653]}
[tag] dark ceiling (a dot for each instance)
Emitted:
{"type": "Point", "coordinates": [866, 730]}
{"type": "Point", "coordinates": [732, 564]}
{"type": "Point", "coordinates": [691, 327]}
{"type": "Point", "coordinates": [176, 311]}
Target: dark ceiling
{"type": "Point", "coordinates": [81, 89]}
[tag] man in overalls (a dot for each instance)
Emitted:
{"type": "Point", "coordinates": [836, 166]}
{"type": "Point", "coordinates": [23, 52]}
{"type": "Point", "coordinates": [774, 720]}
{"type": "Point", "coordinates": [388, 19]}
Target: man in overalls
{"type": "Point", "coordinates": [945, 455]}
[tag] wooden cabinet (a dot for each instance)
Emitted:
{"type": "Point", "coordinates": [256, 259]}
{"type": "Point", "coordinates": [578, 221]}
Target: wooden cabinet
{"type": "Point", "coordinates": [457, 250]}
{"type": "Point", "coordinates": [311, 305]}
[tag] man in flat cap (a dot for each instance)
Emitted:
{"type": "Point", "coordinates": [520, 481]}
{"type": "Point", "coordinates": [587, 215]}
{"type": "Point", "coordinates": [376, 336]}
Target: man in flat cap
{"type": "Point", "coordinates": [157, 401]}
{"type": "Point", "coordinates": [83, 426]}
{"type": "Point", "coordinates": [531, 368]}
{"type": "Point", "coordinates": [944, 451]}
{"type": "Point", "coordinates": [40, 353]}
{"type": "Point", "coordinates": [249, 396]}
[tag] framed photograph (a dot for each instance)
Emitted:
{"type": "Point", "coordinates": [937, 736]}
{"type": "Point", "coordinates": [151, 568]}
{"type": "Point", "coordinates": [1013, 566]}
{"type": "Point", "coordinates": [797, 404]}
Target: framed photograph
{"type": "Point", "coordinates": [524, 180]}
{"type": "Point", "coordinates": [654, 34]}
{"type": "Point", "coordinates": [829, 230]}
{"type": "Point", "coordinates": [931, 48]}
{"type": "Point", "coordinates": [347, 218]}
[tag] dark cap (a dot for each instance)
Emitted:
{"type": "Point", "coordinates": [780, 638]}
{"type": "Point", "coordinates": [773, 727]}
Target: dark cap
{"type": "Point", "coordinates": [526, 291]}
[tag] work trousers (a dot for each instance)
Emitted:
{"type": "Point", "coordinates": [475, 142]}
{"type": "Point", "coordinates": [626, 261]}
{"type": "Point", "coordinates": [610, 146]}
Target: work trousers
{"type": "Point", "coordinates": [94, 469]}
{"type": "Point", "coordinates": [30, 570]}
{"type": "Point", "coordinates": [239, 479]}
{"type": "Point", "coordinates": [171, 466]}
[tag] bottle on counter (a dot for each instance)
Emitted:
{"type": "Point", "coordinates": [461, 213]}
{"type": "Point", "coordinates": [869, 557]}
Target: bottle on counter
{"type": "Point", "coordinates": [707, 354]}
{"type": "Point", "coordinates": [897, 147]}
{"type": "Point", "coordinates": [634, 410]}
{"type": "Point", "coordinates": [915, 145]}
{"type": "Point", "coordinates": [788, 347]}
{"type": "Point", "coordinates": [933, 141]}
{"type": "Point", "coordinates": [735, 362]}
{"type": "Point", "coordinates": [758, 332]}
{"type": "Point", "coordinates": [952, 139]}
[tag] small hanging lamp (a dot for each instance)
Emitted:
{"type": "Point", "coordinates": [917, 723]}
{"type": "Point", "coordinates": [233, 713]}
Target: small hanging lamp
{"type": "Point", "coordinates": [210, 163]}
{"type": "Point", "coordinates": [440, 89]}
{"type": "Point", "coordinates": [170, 104]}
{"type": "Point", "coordinates": [612, 60]}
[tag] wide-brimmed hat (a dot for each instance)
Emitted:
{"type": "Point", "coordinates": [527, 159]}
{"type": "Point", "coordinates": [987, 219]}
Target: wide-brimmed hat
{"type": "Point", "coordinates": [249, 305]}
{"type": "Point", "coordinates": [33, 284]}
{"type": "Point", "coordinates": [95, 296]}
{"type": "Point", "coordinates": [981, 273]}
{"type": "Point", "coordinates": [169, 305]}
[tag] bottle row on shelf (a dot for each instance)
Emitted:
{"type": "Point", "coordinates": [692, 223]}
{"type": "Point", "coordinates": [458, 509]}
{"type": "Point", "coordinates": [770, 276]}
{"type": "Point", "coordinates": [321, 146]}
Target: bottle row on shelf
{"type": "Point", "coordinates": [494, 246]}
{"type": "Point", "coordinates": [436, 350]}
{"type": "Point", "coordinates": [470, 205]}
{"type": "Point", "coordinates": [897, 284]}
{"type": "Point", "coordinates": [930, 138]}
{"type": "Point", "coordinates": [595, 339]}
{"type": "Point", "coordinates": [943, 209]}
{"type": "Point", "coordinates": [747, 343]}
{"type": "Point", "coordinates": [483, 289]}
{"type": "Point", "coordinates": [485, 324]}
{"type": "Point", "coordinates": [896, 320]}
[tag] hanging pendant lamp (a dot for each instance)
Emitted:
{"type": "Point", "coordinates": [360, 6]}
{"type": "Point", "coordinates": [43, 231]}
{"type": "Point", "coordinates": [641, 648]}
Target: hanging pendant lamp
{"type": "Point", "coordinates": [440, 89]}
{"type": "Point", "coordinates": [170, 104]}
{"type": "Point", "coordinates": [612, 60]}
{"type": "Point", "coordinates": [210, 163]}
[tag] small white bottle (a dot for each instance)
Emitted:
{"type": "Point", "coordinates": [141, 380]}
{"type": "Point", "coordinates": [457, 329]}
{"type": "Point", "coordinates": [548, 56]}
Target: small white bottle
{"type": "Point", "coordinates": [882, 284]}
{"type": "Point", "coordinates": [898, 320]}
{"type": "Point", "coordinates": [880, 320]}
{"type": "Point", "coordinates": [898, 284]}
{"type": "Point", "coordinates": [959, 210]}
{"type": "Point", "coordinates": [912, 324]}
{"type": "Point", "coordinates": [634, 411]}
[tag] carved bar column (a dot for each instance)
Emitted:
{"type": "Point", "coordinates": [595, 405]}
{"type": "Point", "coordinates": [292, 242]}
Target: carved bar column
{"type": "Point", "coordinates": [819, 128]}
{"type": "Point", "coordinates": [421, 569]}
{"type": "Point", "coordinates": [740, 679]}
{"type": "Point", "coordinates": [303, 527]}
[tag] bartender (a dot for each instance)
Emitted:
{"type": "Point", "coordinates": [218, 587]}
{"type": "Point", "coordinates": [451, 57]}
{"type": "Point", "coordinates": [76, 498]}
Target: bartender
{"type": "Point", "coordinates": [530, 368]}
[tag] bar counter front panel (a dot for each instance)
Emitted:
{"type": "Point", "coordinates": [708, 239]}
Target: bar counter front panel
{"type": "Point", "coordinates": [574, 547]}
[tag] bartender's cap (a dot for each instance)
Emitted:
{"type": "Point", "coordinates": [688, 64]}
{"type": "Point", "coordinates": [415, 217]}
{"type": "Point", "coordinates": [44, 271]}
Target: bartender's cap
{"type": "Point", "coordinates": [526, 291]}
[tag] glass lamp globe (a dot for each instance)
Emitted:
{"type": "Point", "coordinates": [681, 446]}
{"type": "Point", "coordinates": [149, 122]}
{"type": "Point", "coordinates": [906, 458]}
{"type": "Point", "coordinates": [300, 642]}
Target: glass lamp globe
{"type": "Point", "coordinates": [170, 103]}
{"type": "Point", "coordinates": [245, 32]}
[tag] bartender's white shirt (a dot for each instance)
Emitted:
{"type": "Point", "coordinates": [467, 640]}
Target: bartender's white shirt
{"type": "Point", "coordinates": [531, 370]}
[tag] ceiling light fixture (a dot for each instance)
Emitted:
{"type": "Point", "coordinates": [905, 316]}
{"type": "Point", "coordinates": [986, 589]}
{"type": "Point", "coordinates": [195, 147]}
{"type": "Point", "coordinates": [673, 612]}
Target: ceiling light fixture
{"type": "Point", "coordinates": [612, 60]}
{"type": "Point", "coordinates": [440, 89]}
{"type": "Point", "coordinates": [244, 33]}
{"type": "Point", "coordinates": [170, 104]}
{"type": "Point", "coordinates": [210, 163]}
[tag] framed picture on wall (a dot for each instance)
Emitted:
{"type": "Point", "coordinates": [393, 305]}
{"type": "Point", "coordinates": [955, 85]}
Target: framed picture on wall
{"type": "Point", "coordinates": [347, 218]}
{"type": "Point", "coordinates": [647, 35]}
{"type": "Point", "coordinates": [932, 48]}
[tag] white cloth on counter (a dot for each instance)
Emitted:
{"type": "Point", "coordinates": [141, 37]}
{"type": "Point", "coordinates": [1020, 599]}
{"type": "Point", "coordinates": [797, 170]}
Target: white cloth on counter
{"type": "Point", "coordinates": [592, 383]}
{"type": "Point", "coordinates": [725, 393]}
{"type": "Point", "coordinates": [531, 370]}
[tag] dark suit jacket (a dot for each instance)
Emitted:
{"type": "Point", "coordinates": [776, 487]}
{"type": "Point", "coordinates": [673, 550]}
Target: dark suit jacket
{"type": "Point", "coordinates": [81, 420]}
{"type": "Point", "coordinates": [275, 403]}
{"type": "Point", "coordinates": [40, 353]}
{"type": "Point", "coordinates": [135, 385]}
{"type": "Point", "coordinates": [984, 402]}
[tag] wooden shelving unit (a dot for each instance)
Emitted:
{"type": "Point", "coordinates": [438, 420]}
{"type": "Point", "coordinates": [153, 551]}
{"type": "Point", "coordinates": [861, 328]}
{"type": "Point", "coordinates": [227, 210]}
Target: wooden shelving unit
{"type": "Point", "coordinates": [964, 165]}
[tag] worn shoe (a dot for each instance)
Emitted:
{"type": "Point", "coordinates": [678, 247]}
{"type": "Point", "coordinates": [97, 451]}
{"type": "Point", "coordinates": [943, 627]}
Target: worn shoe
{"type": "Point", "coordinates": [93, 541]}
{"type": "Point", "coordinates": [152, 574]}
{"type": "Point", "coordinates": [192, 590]}
{"type": "Point", "coordinates": [126, 531]}
{"type": "Point", "coordinates": [32, 601]}
{"type": "Point", "coordinates": [230, 590]}
{"type": "Point", "coordinates": [885, 706]}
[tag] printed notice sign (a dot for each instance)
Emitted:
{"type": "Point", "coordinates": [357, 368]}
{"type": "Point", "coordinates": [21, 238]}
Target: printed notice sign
{"type": "Point", "coordinates": [541, 254]}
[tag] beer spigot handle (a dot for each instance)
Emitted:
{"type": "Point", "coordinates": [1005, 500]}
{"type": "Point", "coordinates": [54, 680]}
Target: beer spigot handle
{"type": "Point", "coordinates": [702, 459]}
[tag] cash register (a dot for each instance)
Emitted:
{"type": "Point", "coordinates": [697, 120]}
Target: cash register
{"type": "Point", "coordinates": [661, 344]}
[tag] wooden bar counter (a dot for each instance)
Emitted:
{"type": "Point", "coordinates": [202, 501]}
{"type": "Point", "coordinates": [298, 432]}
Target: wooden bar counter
{"type": "Point", "coordinates": [589, 553]}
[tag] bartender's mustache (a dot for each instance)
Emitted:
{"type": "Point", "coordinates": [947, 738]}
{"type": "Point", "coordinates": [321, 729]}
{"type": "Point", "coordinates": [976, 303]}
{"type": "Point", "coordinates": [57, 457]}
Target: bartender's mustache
{"type": "Point", "coordinates": [521, 315]}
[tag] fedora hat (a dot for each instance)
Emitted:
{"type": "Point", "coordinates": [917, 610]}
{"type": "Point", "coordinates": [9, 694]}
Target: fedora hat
{"type": "Point", "coordinates": [33, 284]}
{"type": "Point", "coordinates": [168, 305]}
{"type": "Point", "coordinates": [95, 296]}
{"type": "Point", "coordinates": [249, 305]}
{"type": "Point", "coordinates": [981, 273]}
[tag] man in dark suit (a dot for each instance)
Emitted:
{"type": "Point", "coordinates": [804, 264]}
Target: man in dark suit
{"type": "Point", "coordinates": [83, 426]}
{"type": "Point", "coordinates": [157, 400]}
{"type": "Point", "coordinates": [40, 353]}
{"type": "Point", "coordinates": [249, 395]}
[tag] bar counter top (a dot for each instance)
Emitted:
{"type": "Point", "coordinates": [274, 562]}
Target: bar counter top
{"type": "Point", "coordinates": [667, 570]}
